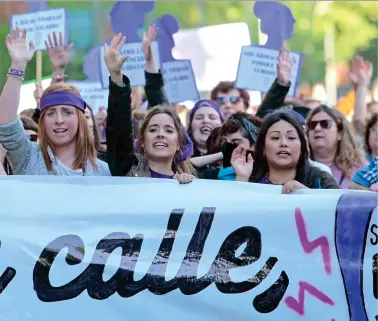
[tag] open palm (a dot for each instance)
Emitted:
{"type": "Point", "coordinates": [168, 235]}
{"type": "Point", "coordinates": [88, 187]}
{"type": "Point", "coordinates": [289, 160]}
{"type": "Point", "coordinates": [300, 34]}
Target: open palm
{"type": "Point", "coordinates": [113, 59]}
{"type": "Point", "coordinates": [19, 54]}
{"type": "Point", "coordinates": [284, 67]}
{"type": "Point", "coordinates": [148, 38]}
{"type": "Point", "coordinates": [361, 71]}
{"type": "Point", "coordinates": [242, 166]}
{"type": "Point", "coordinates": [58, 55]}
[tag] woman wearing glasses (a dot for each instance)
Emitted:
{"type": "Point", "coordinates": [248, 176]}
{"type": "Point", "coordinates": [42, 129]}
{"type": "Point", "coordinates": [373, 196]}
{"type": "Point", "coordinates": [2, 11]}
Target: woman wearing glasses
{"type": "Point", "coordinates": [333, 143]}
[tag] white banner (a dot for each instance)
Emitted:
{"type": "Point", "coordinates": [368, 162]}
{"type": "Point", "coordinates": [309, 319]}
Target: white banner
{"type": "Point", "coordinates": [213, 58]}
{"type": "Point", "coordinates": [148, 249]}
{"type": "Point", "coordinates": [133, 67]}
{"type": "Point", "coordinates": [39, 24]}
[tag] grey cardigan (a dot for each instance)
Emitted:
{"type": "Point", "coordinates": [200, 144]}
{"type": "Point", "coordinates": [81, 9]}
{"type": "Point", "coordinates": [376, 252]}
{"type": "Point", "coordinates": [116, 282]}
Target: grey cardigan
{"type": "Point", "coordinates": [26, 158]}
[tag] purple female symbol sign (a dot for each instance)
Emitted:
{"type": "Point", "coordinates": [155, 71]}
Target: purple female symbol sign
{"type": "Point", "coordinates": [126, 17]}
{"type": "Point", "coordinates": [277, 22]}
{"type": "Point", "coordinates": [179, 80]}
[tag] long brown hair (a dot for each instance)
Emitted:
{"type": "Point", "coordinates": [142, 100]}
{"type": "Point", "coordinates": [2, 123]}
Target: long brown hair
{"type": "Point", "coordinates": [348, 153]}
{"type": "Point", "coordinates": [166, 109]}
{"type": "Point", "coordinates": [85, 147]}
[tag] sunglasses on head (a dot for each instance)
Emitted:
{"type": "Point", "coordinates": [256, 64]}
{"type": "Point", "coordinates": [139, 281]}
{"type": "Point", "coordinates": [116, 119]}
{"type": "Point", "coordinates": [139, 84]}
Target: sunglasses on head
{"type": "Point", "coordinates": [224, 99]}
{"type": "Point", "coordinates": [325, 124]}
{"type": "Point", "coordinates": [33, 137]}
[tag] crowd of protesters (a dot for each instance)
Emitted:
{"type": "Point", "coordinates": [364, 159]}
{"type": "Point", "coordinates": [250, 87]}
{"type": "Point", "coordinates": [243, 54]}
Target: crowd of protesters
{"type": "Point", "coordinates": [294, 145]}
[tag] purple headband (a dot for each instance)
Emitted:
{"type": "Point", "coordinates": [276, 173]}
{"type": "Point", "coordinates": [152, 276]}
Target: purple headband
{"type": "Point", "coordinates": [62, 98]}
{"type": "Point", "coordinates": [205, 103]}
{"type": "Point", "coordinates": [187, 151]}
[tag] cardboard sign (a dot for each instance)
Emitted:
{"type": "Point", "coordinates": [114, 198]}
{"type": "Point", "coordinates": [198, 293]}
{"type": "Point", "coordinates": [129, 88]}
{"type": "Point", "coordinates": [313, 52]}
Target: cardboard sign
{"type": "Point", "coordinates": [39, 24]}
{"type": "Point", "coordinates": [93, 93]}
{"type": "Point", "coordinates": [258, 69]}
{"type": "Point", "coordinates": [179, 81]}
{"type": "Point", "coordinates": [133, 67]}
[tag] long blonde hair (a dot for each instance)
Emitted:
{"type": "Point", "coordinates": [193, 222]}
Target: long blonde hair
{"type": "Point", "coordinates": [348, 153]}
{"type": "Point", "coordinates": [186, 166]}
{"type": "Point", "coordinates": [85, 147]}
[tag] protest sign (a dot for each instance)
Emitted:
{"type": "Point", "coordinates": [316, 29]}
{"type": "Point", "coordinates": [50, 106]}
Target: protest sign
{"type": "Point", "coordinates": [92, 248]}
{"type": "Point", "coordinates": [93, 93]}
{"type": "Point", "coordinates": [212, 60]}
{"type": "Point", "coordinates": [258, 69]}
{"type": "Point", "coordinates": [179, 81]}
{"type": "Point", "coordinates": [27, 93]}
{"type": "Point", "coordinates": [133, 66]}
{"type": "Point", "coordinates": [39, 24]}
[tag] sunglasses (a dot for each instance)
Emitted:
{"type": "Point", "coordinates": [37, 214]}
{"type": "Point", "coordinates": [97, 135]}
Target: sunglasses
{"type": "Point", "coordinates": [225, 99]}
{"type": "Point", "coordinates": [325, 124]}
{"type": "Point", "coordinates": [33, 137]}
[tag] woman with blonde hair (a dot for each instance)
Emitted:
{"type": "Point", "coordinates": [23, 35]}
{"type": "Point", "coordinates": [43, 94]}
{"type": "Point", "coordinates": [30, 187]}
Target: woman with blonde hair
{"type": "Point", "coordinates": [65, 145]}
{"type": "Point", "coordinates": [333, 143]}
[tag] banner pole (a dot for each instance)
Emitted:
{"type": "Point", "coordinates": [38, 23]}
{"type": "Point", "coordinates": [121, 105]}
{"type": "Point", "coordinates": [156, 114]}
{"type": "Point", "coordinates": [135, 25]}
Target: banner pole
{"type": "Point", "coordinates": [39, 68]}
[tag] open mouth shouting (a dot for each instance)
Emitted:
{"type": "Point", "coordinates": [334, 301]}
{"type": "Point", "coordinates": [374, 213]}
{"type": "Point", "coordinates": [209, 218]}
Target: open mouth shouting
{"type": "Point", "coordinates": [206, 130]}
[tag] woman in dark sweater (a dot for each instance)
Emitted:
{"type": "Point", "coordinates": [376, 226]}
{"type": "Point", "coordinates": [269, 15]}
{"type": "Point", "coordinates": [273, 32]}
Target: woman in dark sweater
{"type": "Point", "coordinates": [281, 157]}
{"type": "Point", "coordinates": [162, 137]}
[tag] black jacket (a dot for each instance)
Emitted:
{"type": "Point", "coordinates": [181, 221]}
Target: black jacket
{"type": "Point", "coordinates": [274, 99]}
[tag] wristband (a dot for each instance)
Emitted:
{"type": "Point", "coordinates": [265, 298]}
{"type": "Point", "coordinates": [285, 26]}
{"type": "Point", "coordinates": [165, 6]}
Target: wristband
{"type": "Point", "coordinates": [15, 72]}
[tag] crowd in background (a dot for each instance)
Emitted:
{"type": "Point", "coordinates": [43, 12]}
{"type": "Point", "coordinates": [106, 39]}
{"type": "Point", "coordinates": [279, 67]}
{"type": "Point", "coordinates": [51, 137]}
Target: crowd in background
{"type": "Point", "coordinates": [294, 144]}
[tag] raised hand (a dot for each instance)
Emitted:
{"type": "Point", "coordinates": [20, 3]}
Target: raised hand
{"type": "Point", "coordinates": [361, 71]}
{"type": "Point", "coordinates": [242, 166]}
{"type": "Point", "coordinates": [58, 55]}
{"type": "Point", "coordinates": [113, 59]}
{"type": "Point", "coordinates": [148, 38]}
{"type": "Point", "coordinates": [284, 67]}
{"type": "Point", "coordinates": [38, 93]}
{"type": "Point", "coordinates": [19, 54]}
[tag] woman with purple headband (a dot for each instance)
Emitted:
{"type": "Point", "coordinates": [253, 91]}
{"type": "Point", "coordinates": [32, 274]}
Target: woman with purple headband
{"type": "Point", "coordinates": [163, 144]}
{"type": "Point", "coordinates": [65, 145]}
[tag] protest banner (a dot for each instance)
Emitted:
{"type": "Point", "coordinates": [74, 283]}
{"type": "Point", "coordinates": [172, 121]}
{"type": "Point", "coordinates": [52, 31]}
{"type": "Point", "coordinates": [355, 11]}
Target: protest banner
{"type": "Point", "coordinates": [39, 24]}
{"type": "Point", "coordinates": [98, 248]}
{"type": "Point", "coordinates": [133, 66]}
{"type": "Point", "coordinates": [258, 69]}
{"type": "Point", "coordinates": [93, 94]}
{"type": "Point", "coordinates": [179, 81]}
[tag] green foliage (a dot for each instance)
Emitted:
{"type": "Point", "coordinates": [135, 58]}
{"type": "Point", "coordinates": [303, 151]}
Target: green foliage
{"type": "Point", "coordinates": [354, 24]}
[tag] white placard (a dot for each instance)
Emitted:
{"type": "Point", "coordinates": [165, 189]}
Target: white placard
{"type": "Point", "coordinates": [133, 67]}
{"type": "Point", "coordinates": [214, 51]}
{"type": "Point", "coordinates": [179, 81]}
{"type": "Point", "coordinates": [93, 93]}
{"type": "Point", "coordinates": [39, 24]}
{"type": "Point", "coordinates": [258, 69]}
